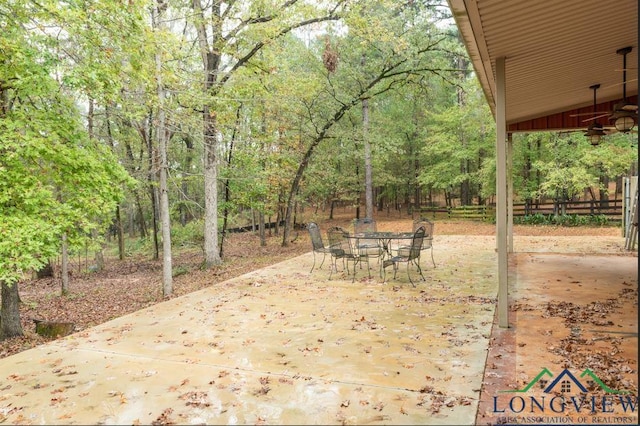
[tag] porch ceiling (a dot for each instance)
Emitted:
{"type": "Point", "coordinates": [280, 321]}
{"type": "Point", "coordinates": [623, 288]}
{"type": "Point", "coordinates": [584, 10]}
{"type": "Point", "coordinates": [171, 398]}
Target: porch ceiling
{"type": "Point", "coordinates": [554, 50]}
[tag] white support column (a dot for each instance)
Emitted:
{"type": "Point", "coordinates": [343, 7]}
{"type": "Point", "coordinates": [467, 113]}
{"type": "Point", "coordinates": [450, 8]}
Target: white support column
{"type": "Point", "coordinates": [501, 194]}
{"type": "Point", "coordinates": [509, 193]}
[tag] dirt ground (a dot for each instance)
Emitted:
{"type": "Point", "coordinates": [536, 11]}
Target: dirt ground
{"type": "Point", "coordinates": [128, 285]}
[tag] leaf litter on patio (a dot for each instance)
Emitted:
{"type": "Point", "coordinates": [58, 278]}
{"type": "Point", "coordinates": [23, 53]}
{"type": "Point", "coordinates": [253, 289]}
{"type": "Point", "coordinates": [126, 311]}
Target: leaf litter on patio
{"type": "Point", "coordinates": [433, 393]}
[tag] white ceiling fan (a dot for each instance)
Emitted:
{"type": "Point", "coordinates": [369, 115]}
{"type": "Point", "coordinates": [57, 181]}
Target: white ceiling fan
{"type": "Point", "coordinates": [624, 114]}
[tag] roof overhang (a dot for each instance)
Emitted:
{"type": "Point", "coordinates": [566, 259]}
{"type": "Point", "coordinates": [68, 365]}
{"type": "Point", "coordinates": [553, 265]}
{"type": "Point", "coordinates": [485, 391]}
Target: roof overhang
{"type": "Point", "coordinates": [554, 51]}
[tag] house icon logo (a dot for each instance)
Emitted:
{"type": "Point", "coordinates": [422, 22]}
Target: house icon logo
{"type": "Point", "coordinates": [566, 383]}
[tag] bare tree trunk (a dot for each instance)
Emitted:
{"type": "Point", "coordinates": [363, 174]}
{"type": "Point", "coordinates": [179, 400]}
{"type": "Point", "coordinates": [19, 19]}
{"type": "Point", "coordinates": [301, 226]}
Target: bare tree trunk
{"type": "Point", "coordinates": [167, 274]}
{"type": "Point", "coordinates": [211, 252]}
{"type": "Point", "coordinates": [416, 173]}
{"type": "Point", "coordinates": [604, 192]}
{"type": "Point", "coordinates": [211, 61]}
{"type": "Point", "coordinates": [10, 325]}
{"type": "Point", "coordinates": [185, 215]}
{"type": "Point", "coordinates": [151, 178]}
{"type": "Point", "coordinates": [141, 222]}
{"type": "Point", "coordinates": [279, 216]}
{"type": "Point", "coordinates": [94, 234]}
{"type": "Point", "coordinates": [119, 224]}
{"type": "Point", "coordinates": [99, 255]}
{"type": "Point", "coordinates": [227, 186]}
{"type": "Point", "coordinates": [368, 174]}
{"type": "Point", "coordinates": [261, 227]}
{"type": "Point", "coordinates": [162, 135]}
{"type": "Point", "coordinates": [120, 229]}
{"type": "Point", "coordinates": [135, 169]}
{"type": "Point", "coordinates": [65, 266]}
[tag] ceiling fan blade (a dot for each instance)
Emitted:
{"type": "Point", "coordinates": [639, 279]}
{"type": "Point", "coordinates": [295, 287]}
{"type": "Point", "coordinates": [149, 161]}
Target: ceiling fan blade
{"type": "Point", "coordinates": [582, 114]}
{"type": "Point", "coordinates": [619, 84]}
{"type": "Point", "coordinates": [595, 118]}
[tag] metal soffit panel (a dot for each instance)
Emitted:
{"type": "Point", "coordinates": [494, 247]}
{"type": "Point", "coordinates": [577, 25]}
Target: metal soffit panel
{"type": "Point", "coordinates": [554, 51]}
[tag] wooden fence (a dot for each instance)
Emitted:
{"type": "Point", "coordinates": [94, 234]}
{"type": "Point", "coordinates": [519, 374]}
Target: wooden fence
{"type": "Point", "coordinates": [611, 209]}
{"type": "Point", "coordinates": [463, 212]}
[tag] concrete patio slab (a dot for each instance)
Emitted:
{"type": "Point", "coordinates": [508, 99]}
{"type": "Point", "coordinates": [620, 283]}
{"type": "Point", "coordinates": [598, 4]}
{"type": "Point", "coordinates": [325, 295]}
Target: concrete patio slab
{"type": "Point", "coordinates": [281, 346]}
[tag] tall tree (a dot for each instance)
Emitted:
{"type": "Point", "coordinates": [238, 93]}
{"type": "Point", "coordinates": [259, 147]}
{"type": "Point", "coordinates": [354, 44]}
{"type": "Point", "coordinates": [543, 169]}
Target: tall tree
{"type": "Point", "coordinates": [394, 58]}
{"type": "Point", "coordinates": [54, 180]}
{"type": "Point", "coordinates": [229, 36]}
{"type": "Point", "coordinates": [162, 135]}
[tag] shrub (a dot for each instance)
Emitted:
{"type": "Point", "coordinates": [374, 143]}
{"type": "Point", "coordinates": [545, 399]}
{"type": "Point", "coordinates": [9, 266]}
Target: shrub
{"type": "Point", "coordinates": [562, 220]}
{"type": "Point", "coordinates": [599, 220]}
{"type": "Point", "coordinates": [534, 219]}
{"type": "Point", "coordinates": [192, 234]}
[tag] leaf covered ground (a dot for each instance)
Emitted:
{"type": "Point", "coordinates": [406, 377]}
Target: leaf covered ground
{"type": "Point", "coordinates": [128, 285]}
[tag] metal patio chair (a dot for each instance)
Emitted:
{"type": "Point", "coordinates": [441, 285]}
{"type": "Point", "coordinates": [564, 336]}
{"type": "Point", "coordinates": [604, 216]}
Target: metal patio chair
{"type": "Point", "coordinates": [368, 247]}
{"type": "Point", "coordinates": [364, 225]}
{"type": "Point", "coordinates": [341, 248]}
{"type": "Point", "coordinates": [317, 244]}
{"type": "Point", "coordinates": [408, 254]}
{"type": "Point", "coordinates": [427, 241]}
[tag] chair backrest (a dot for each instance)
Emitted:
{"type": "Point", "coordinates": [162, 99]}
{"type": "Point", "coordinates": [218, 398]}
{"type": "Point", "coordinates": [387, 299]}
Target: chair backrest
{"type": "Point", "coordinates": [428, 231]}
{"type": "Point", "coordinates": [316, 237]}
{"type": "Point", "coordinates": [364, 225]}
{"type": "Point", "coordinates": [338, 239]}
{"type": "Point", "coordinates": [416, 243]}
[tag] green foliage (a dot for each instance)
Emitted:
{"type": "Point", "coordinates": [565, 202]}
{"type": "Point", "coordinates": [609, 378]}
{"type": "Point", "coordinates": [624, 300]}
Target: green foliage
{"type": "Point", "coordinates": [568, 220]}
{"type": "Point", "coordinates": [532, 219]}
{"type": "Point", "coordinates": [179, 270]}
{"type": "Point", "coordinates": [599, 220]}
{"type": "Point", "coordinates": [53, 179]}
{"type": "Point", "coordinates": [192, 234]}
{"type": "Point", "coordinates": [277, 108]}
{"type": "Point", "coordinates": [460, 146]}
{"type": "Point", "coordinates": [562, 166]}
{"type": "Point", "coordinates": [138, 246]}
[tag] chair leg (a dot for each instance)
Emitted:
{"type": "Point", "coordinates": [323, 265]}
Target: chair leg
{"type": "Point", "coordinates": [314, 262]}
{"type": "Point", "coordinates": [417, 262]}
{"type": "Point", "coordinates": [434, 262]}
{"type": "Point", "coordinates": [409, 274]}
{"type": "Point", "coordinates": [384, 265]}
{"type": "Point", "coordinates": [355, 269]}
{"type": "Point", "coordinates": [368, 267]}
{"type": "Point", "coordinates": [333, 265]}
{"type": "Point", "coordinates": [324, 255]}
